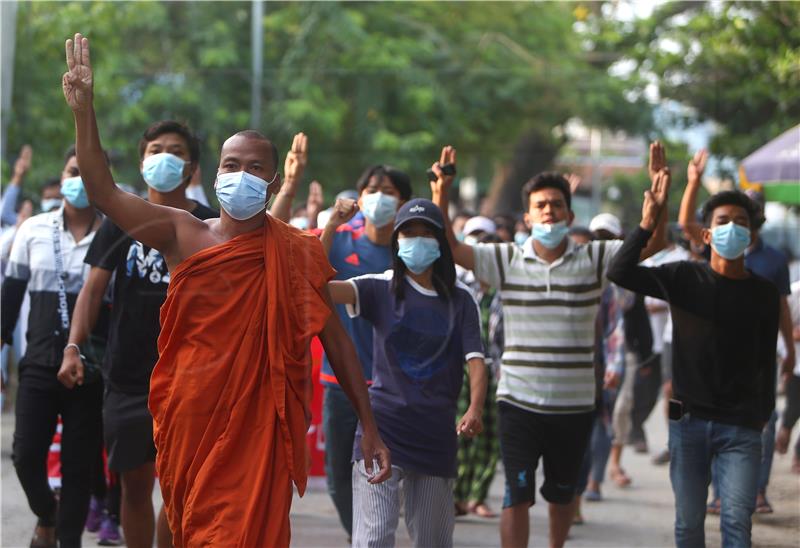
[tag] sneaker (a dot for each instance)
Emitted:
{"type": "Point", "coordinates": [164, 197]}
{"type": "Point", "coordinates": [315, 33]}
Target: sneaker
{"type": "Point", "coordinates": [109, 533]}
{"type": "Point", "coordinates": [661, 458]}
{"type": "Point", "coordinates": [95, 517]}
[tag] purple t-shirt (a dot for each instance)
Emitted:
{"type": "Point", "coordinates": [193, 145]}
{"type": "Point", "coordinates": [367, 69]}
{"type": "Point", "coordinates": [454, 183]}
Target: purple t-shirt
{"type": "Point", "coordinates": [420, 344]}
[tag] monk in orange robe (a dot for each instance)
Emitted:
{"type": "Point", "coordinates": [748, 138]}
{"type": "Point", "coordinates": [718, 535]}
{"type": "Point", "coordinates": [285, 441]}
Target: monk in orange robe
{"type": "Point", "coordinates": [229, 393]}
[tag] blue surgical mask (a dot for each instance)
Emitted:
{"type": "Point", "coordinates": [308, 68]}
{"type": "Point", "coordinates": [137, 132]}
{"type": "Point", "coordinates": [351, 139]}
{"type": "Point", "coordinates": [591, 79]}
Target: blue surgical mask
{"type": "Point", "coordinates": [550, 235]}
{"type": "Point", "coordinates": [379, 208]}
{"type": "Point", "coordinates": [521, 237]}
{"type": "Point", "coordinates": [49, 204]}
{"type": "Point", "coordinates": [241, 194]}
{"type": "Point", "coordinates": [418, 253]}
{"type": "Point", "coordinates": [72, 190]}
{"type": "Point", "coordinates": [163, 172]}
{"type": "Point", "coordinates": [730, 240]}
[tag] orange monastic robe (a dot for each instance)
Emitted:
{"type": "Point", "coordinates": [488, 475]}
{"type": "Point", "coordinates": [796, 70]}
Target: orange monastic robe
{"type": "Point", "coordinates": [229, 394]}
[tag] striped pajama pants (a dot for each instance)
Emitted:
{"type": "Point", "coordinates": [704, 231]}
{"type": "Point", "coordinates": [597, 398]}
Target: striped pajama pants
{"type": "Point", "coordinates": [428, 507]}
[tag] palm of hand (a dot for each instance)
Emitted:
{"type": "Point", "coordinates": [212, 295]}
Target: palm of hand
{"type": "Point", "coordinates": [77, 84]}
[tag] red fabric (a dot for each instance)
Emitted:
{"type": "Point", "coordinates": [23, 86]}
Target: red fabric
{"type": "Point", "coordinates": [230, 392]}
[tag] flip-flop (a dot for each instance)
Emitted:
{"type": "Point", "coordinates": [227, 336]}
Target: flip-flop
{"type": "Point", "coordinates": [714, 507]}
{"type": "Point", "coordinates": [482, 510]}
{"type": "Point", "coordinates": [592, 496]}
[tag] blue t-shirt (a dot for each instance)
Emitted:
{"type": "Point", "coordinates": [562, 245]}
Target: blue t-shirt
{"type": "Point", "coordinates": [769, 263]}
{"type": "Point", "coordinates": [353, 254]}
{"type": "Point", "coordinates": [420, 345]}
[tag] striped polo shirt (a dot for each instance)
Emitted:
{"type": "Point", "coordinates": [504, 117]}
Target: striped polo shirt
{"type": "Point", "coordinates": [549, 312]}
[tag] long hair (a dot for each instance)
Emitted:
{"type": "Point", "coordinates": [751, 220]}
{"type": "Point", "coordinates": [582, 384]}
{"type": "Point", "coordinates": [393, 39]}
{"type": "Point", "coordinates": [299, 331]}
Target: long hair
{"type": "Point", "coordinates": [444, 268]}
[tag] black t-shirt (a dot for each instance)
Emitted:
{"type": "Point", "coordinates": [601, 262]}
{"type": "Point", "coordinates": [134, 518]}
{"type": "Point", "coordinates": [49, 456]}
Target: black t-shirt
{"type": "Point", "coordinates": [140, 288]}
{"type": "Point", "coordinates": [724, 334]}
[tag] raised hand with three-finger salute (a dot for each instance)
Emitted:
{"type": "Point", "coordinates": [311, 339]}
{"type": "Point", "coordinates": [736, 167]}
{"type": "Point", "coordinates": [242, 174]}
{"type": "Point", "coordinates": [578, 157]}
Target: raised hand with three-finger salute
{"type": "Point", "coordinates": [77, 82]}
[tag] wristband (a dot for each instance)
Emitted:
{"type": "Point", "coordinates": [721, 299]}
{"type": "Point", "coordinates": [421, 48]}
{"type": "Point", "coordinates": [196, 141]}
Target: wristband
{"type": "Point", "coordinates": [76, 347]}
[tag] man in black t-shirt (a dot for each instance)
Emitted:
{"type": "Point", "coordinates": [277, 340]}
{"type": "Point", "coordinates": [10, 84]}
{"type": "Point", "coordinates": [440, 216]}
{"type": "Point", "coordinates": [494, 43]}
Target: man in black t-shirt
{"type": "Point", "coordinates": [169, 154]}
{"type": "Point", "coordinates": [725, 325]}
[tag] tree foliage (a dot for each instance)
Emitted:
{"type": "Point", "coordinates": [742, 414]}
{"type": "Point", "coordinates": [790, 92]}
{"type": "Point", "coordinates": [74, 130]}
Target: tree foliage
{"type": "Point", "coordinates": [368, 82]}
{"type": "Point", "coordinates": [734, 63]}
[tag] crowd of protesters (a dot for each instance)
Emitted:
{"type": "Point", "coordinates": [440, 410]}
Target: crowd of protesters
{"type": "Point", "coordinates": [482, 339]}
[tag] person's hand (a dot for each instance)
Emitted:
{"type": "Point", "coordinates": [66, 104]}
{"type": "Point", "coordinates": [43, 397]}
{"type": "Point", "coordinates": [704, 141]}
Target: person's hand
{"type": "Point", "coordinates": [470, 424]}
{"type": "Point", "coordinates": [611, 380]}
{"type": "Point", "coordinates": [443, 182]}
{"type": "Point", "coordinates": [657, 160]}
{"type": "Point", "coordinates": [314, 202]}
{"type": "Point", "coordinates": [343, 211]}
{"type": "Point", "coordinates": [71, 371]}
{"type": "Point", "coordinates": [23, 163]}
{"type": "Point", "coordinates": [574, 181]}
{"type": "Point", "coordinates": [373, 448]}
{"type": "Point", "coordinates": [696, 167]}
{"type": "Point", "coordinates": [77, 82]}
{"type": "Point", "coordinates": [655, 200]}
{"type": "Point", "coordinates": [296, 160]}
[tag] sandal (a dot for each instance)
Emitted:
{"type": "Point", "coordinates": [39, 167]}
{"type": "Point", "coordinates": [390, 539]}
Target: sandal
{"type": "Point", "coordinates": [482, 510]}
{"type": "Point", "coordinates": [619, 477]}
{"type": "Point", "coordinates": [763, 506]}
{"type": "Point", "coordinates": [714, 507]}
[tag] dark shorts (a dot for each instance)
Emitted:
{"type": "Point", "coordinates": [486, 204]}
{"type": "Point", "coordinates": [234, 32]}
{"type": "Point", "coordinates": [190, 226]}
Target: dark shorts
{"type": "Point", "coordinates": [127, 431]}
{"type": "Point", "coordinates": [559, 440]}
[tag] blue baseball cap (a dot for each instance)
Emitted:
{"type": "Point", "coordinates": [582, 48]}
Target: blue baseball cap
{"type": "Point", "coordinates": [419, 208]}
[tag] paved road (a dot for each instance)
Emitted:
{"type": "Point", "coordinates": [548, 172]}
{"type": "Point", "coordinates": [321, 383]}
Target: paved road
{"type": "Point", "coordinates": [640, 516]}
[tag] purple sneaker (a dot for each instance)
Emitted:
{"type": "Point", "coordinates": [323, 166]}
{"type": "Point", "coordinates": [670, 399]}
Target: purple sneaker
{"type": "Point", "coordinates": [95, 517]}
{"type": "Point", "coordinates": [109, 533]}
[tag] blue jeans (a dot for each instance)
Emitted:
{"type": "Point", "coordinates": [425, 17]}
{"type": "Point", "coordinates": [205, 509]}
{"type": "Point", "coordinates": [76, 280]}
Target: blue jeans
{"type": "Point", "coordinates": [693, 445]}
{"type": "Point", "coordinates": [339, 423]}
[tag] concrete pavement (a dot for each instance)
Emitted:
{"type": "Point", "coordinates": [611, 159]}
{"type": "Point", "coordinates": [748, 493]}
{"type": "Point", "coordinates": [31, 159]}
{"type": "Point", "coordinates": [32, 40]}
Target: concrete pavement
{"type": "Point", "coordinates": [641, 515]}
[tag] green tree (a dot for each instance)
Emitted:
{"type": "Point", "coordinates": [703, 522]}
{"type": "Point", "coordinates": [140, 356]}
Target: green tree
{"type": "Point", "coordinates": [736, 64]}
{"type": "Point", "coordinates": [368, 82]}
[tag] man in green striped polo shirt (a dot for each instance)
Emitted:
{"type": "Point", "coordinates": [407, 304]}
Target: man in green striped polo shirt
{"type": "Point", "coordinates": [550, 289]}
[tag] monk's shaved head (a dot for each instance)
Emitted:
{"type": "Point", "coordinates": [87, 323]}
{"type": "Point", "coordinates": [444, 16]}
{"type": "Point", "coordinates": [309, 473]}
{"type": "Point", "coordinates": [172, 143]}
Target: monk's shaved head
{"type": "Point", "coordinates": [258, 139]}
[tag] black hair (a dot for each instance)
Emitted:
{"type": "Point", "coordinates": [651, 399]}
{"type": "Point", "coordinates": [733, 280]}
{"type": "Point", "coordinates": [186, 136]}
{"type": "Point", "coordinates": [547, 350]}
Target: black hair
{"type": "Point", "coordinates": [51, 182]}
{"type": "Point", "coordinates": [70, 152]}
{"type": "Point", "coordinates": [444, 268]}
{"type": "Point", "coordinates": [735, 198]}
{"type": "Point", "coordinates": [505, 220]}
{"type": "Point", "coordinates": [258, 136]}
{"type": "Point", "coordinates": [171, 126]}
{"type": "Point", "coordinates": [546, 179]}
{"type": "Point", "coordinates": [581, 231]}
{"type": "Point", "coordinates": [400, 180]}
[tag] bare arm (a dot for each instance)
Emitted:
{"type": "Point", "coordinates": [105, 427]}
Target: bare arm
{"type": "Point", "coordinates": [462, 253]}
{"type": "Point", "coordinates": [293, 169]}
{"type": "Point", "coordinates": [343, 211]}
{"type": "Point", "coordinates": [347, 368]}
{"type": "Point", "coordinates": [84, 318]}
{"type": "Point", "coordinates": [691, 228]}
{"type": "Point", "coordinates": [471, 424]}
{"type": "Point", "coordinates": [342, 292]}
{"type": "Point", "coordinates": [151, 224]}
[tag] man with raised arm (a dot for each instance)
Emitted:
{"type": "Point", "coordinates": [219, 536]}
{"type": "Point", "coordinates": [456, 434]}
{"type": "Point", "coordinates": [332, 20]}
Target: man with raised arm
{"type": "Point", "coordinates": [723, 376]}
{"type": "Point", "coordinates": [230, 390]}
{"type": "Point", "coordinates": [551, 289]}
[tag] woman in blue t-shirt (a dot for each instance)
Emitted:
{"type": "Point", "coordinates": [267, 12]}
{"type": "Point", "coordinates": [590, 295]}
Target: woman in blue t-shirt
{"type": "Point", "coordinates": [426, 324]}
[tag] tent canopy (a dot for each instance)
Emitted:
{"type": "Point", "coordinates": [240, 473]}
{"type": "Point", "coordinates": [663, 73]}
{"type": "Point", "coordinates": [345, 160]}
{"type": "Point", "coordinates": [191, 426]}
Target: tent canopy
{"type": "Point", "coordinates": [775, 167]}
